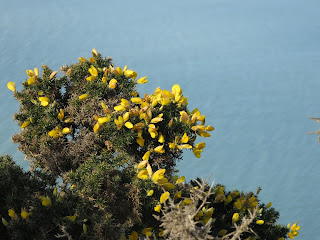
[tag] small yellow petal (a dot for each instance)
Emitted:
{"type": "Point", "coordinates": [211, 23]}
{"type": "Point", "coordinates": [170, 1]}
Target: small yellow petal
{"type": "Point", "coordinates": [259, 222]}
{"type": "Point", "coordinates": [146, 156]}
{"type": "Point", "coordinates": [164, 197]}
{"type": "Point", "coordinates": [157, 208]}
{"type": "Point", "coordinates": [150, 193]}
{"type": "Point", "coordinates": [181, 180]}
{"type": "Point", "coordinates": [83, 96]}
{"type": "Point", "coordinates": [25, 124]}
{"type": "Point", "coordinates": [235, 217]}
{"type": "Point", "coordinates": [82, 59]}
{"type": "Point", "coordinates": [129, 125]}
{"type": "Point", "coordinates": [66, 130]}
{"type": "Point", "coordinates": [113, 83]}
{"type": "Point", "coordinates": [142, 80]}
{"type": "Point", "coordinates": [11, 86]}
{"type": "Point", "coordinates": [53, 74]}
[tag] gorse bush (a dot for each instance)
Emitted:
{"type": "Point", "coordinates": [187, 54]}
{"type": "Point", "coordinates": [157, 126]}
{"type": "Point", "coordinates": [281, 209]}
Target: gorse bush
{"type": "Point", "coordinates": [103, 164]}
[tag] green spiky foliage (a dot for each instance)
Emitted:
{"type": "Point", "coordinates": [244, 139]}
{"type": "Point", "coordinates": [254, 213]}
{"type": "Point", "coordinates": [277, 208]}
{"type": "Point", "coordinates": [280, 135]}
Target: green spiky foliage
{"type": "Point", "coordinates": [114, 154]}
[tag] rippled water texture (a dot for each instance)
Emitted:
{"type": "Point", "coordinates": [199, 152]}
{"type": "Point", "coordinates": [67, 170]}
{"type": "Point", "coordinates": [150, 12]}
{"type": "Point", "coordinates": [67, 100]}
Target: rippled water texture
{"type": "Point", "coordinates": [252, 67]}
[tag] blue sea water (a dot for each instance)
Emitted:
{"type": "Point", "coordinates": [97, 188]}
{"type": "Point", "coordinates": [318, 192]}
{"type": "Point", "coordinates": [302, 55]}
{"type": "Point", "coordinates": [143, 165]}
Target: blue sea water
{"type": "Point", "coordinates": [252, 67]}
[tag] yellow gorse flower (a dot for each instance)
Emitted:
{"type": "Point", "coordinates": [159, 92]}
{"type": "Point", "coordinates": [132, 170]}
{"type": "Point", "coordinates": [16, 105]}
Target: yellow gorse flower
{"type": "Point", "coordinates": [235, 217]}
{"type": "Point", "coordinates": [134, 236]}
{"type": "Point", "coordinates": [45, 201]}
{"type": "Point", "coordinates": [157, 208]}
{"type": "Point", "coordinates": [142, 80]}
{"type": "Point", "coordinates": [113, 83]}
{"type": "Point", "coordinates": [147, 231]}
{"type": "Point", "coordinates": [60, 114]}
{"type": "Point", "coordinates": [94, 73]}
{"type": "Point", "coordinates": [44, 101]}
{"type": "Point", "coordinates": [164, 197]}
{"type": "Point", "coordinates": [83, 96]}
{"type": "Point", "coordinates": [11, 86]}
{"type": "Point", "coordinates": [12, 214]}
{"type": "Point", "coordinates": [25, 214]}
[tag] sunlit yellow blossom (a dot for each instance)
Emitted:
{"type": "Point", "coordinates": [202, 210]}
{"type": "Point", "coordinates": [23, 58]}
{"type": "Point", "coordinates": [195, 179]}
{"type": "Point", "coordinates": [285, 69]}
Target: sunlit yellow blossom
{"type": "Point", "coordinates": [150, 193]}
{"type": "Point", "coordinates": [197, 152]}
{"type": "Point", "coordinates": [235, 217]}
{"type": "Point", "coordinates": [168, 186]}
{"type": "Point", "coordinates": [130, 74]}
{"type": "Point", "coordinates": [161, 138]}
{"type": "Point", "coordinates": [159, 149]}
{"type": "Point", "coordinates": [153, 130]}
{"type": "Point", "coordinates": [119, 122]}
{"type": "Point", "coordinates": [83, 96]}
{"type": "Point", "coordinates": [184, 117]}
{"type": "Point", "coordinates": [172, 145]}
{"type": "Point", "coordinates": [181, 180]}
{"type": "Point", "coordinates": [146, 156]}
{"type": "Point", "coordinates": [164, 197]}
{"type": "Point", "coordinates": [96, 127]}
{"type": "Point", "coordinates": [129, 125]}
{"type": "Point", "coordinates": [25, 124]}
{"type": "Point", "coordinates": [45, 201]}
{"type": "Point", "coordinates": [165, 101]}
{"type": "Point", "coordinates": [203, 133]}
{"type": "Point", "coordinates": [11, 86]}
{"type": "Point", "coordinates": [133, 236]}
{"type": "Point", "coordinates": [66, 130]}
{"type": "Point", "coordinates": [113, 83]}
{"type": "Point", "coordinates": [147, 231]}
{"type": "Point", "coordinates": [25, 214]}
{"type": "Point", "coordinates": [53, 74]}
{"type": "Point", "coordinates": [184, 146]}
{"type": "Point", "coordinates": [12, 214]}
{"type": "Point", "coordinates": [136, 100]}
{"type": "Point", "coordinates": [93, 71]}
{"type": "Point", "coordinates": [55, 133]}
{"type": "Point", "coordinates": [142, 164]}
{"type": "Point", "coordinates": [44, 101]}
{"type": "Point", "coordinates": [5, 222]}
{"type": "Point", "coordinates": [32, 80]}
{"type": "Point", "coordinates": [200, 145]}
{"type": "Point", "coordinates": [142, 80]}
{"type": "Point", "coordinates": [68, 120]}
{"type": "Point", "coordinates": [119, 70]}
{"type": "Point", "coordinates": [269, 205]}
{"type": "Point", "coordinates": [184, 138]}
{"type": "Point", "coordinates": [176, 90]}
{"type": "Point", "coordinates": [259, 222]}
{"type": "Point", "coordinates": [158, 175]}
{"type": "Point", "coordinates": [140, 141]}
{"type": "Point", "coordinates": [94, 52]}
{"type": "Point", "coordinates": [209, 128]}
{"type": "Point", "coordinates": [156, 119]}
{"type": "Point", "coordinates": [119, 108]}
{"type": "Point", "coordinates": [60, 114]}
{"type": "Point", "coordinates": [103, 79]}
{"type": "Point", "coordinates": [82, 59]}
{"type": "Point", "coordinates": [143, 174]}
{"type": "Point", "coordinates": [149, 169]}
{"type": "Point", "coordinates": [103, 120]}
